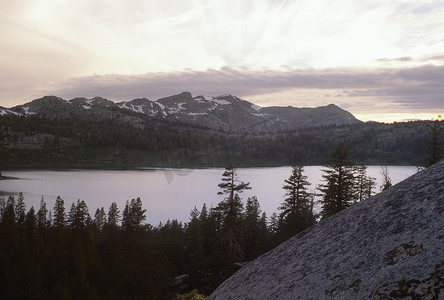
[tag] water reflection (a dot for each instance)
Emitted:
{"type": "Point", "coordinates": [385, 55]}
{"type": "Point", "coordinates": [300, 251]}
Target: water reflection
{"type": "Point", "coordinates": [166, 193]}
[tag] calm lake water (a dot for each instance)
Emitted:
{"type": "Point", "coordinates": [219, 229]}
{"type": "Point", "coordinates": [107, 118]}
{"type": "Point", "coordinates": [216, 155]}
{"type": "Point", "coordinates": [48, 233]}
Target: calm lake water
{"type": "Point", "coordinates": [165, 193]}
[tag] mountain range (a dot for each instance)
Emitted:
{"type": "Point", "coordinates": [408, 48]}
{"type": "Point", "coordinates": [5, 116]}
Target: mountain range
{"type": "Point", "coordinates": [225, 113]}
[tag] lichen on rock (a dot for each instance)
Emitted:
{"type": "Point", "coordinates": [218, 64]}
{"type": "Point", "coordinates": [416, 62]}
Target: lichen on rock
{"type": "Point", "coordinates": [402, 252]}
{"type": "Point", "coordinates": [415, 289]}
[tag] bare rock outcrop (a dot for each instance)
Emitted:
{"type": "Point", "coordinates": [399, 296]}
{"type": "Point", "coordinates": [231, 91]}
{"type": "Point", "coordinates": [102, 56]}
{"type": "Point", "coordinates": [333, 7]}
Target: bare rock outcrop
{"type": "Point", "coordinates": [388, 247]}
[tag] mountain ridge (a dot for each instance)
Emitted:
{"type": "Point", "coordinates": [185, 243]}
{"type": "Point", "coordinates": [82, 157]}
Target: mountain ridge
{"type": "Point", "coordinates": [225, 112]}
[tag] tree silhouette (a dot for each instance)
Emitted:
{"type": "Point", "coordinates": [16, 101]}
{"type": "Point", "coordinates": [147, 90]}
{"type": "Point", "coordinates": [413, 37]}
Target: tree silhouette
{"type": "Point", "coordinates": [59, 213]}
{"type": "Point", "coordinates": [231, 212]}
{"type": "Point", "coordinates": [339, 176]}
{"type": "Point", "coordinates": [296, 214]}
{"type": "Point", "coordinates": [435, 141]}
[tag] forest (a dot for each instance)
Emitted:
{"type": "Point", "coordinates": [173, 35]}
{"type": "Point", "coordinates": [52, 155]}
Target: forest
{"type": "Point", "coordinates": [70, 254]}
{"type": "Point", "coordinates": [60, 253]}
{"type": "Point", "coordinates": [41, 142]}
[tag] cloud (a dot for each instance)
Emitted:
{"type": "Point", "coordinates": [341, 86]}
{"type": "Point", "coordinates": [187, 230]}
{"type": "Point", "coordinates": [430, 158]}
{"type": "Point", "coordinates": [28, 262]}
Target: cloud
{"type": "Point", "coordinates": [418, 60]}
{"type": "Point", "coordinates": [417, 87]}
{"type": "Point", "coordinates": [275, 52]}
{"type": "Point", "coordinates": [398, 59]}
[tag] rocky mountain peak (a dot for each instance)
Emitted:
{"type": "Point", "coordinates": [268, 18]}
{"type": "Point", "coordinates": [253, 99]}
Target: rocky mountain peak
{"type": "Point", "coordinates": [390, 246]}
{"type": "Point", "coordinates": [226, 112]}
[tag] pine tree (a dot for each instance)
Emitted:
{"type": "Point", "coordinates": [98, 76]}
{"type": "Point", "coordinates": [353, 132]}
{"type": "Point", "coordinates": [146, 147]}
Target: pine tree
{"type": "Point", "coordinates": [8, 228]}
{"type": "Point", "coordinates": [386, 181]}
{"type": "Point", "coordinates": [113, 214]}
{"type": "Point", "coordinates": [296, 214]}
{"type": "Point", "coordinates": [71, 215]}
{"type": "Point", "coordinates": [126, 222]}
{"type": "Point", "coordinates": [42, 215]}
{"type": "Point", "coordinates": [365, 184]}
{"type": "Point", "coordinates": [2, 207]}
{"type": "Point", "coordinates": [100, 218]}
{"type": "Point", "coordinates": [435, 142]}
{"type": "Point", "coordinates": [231, 212]}
{"type": "Point", "coordinates": [194, 242]}
{"type": "Point", "coordinates": [78, 216]}
{"type": "Point", "coordinates": [59, 213]}
{"type": "Point", "coordinates": [133, 215]}
{"type": "Point", "coordinates": [30, 222]}
{"type": "Point", "coordinates": [20, 212]}
{"type": "Point", "coordinates": [254, 234]}
{"type": "Point", "coordinates": [339, 190]}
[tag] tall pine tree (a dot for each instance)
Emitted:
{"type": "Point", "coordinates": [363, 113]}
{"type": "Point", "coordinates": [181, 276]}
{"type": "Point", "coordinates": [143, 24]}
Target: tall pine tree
{"type": "Point", "coordinates": [296, 214]}
{"type": "Point", "coordinates": [339, 189]}
{"type": "Point", "coordinates": [59, 213]}
{"type": "Point", "coordinates": [435, 141]}
{"type": "Point", "coordinates": [231, 213]}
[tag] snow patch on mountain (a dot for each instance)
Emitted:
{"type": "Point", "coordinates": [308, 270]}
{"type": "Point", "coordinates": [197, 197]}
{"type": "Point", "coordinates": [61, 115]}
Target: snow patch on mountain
{"type": "Point", "coordinates": [200, 99]}
{"type": "Point", "coordinates": [27, 112]}
{"type": "Point", "coordinates": [7, 111]}
{"type": "Point", "coordinates": [160, 105]}
{"type": "Point", "coordinates": [203, 99]}
{"type": "Point", "coordinates": [139, 108]}
{"type": "Point", "coordinates": [221, 102]}
{"type": "Point", "coordinates": [255, 107]}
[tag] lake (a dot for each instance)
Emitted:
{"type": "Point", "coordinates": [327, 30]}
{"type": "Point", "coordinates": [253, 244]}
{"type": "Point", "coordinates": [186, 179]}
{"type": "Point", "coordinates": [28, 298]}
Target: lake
{"type": "Point", "coordinates": [165, 193]}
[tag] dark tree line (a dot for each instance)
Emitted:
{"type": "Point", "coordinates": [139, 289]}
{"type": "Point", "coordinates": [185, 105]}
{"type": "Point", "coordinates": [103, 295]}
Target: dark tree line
{"type": "Point", "coordinates": [66, 254]}
{"type": "Point", "coordinates": [54, 141]}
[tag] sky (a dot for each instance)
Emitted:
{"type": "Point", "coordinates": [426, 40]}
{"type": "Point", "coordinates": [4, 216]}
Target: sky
{"type": "Point", "coordinates": [380, 60]}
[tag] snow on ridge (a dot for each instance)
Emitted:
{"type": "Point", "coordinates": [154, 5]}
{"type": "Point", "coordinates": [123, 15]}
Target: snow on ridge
{"type": "Point", "coordinates": [202, 99]}
{"type": "Point", "coordinates": [139, 108]}
{"type": "Point", "coordinates": [260, 115]}
{"type": "Point", "coordinates": [27, 112]}
{"type": "Point", "coordinates": [7, 111]}
{"type": "Point", "coordinates": [160, 105]}
{"type": "Point", "coordinates": [255, 107]}
{"type": "Point", "coordinates": [221, 102]}
{"type": "Point", "coordinates": [134, 108]}
{"type": "Point", "coordinates": [180, 106]}
{"type": "Point", "coordinates": [86, 107]}
{"type": "Point", "coordinates": [175, 110]}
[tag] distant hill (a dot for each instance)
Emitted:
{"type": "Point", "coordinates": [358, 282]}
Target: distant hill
{"type": "Point", "coordinates": [388, 247]}
{"type": "Point", "coordinates": [227, 112]}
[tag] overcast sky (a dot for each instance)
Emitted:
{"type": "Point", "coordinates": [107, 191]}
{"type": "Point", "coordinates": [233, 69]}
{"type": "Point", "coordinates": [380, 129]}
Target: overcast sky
{"type": "Point", "coordinates": [380, 60]}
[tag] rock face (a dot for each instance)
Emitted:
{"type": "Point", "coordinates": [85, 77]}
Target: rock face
{"type": "Point", "coordinates": [224, 112]}
{"type": "Point", "coordinates": [388, 247]}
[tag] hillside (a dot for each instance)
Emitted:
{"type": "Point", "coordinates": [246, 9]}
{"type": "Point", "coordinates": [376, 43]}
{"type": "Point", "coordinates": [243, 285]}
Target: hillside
{"type": "Point", "coordinates": [226, 112]}
{"type": "Point", "coordinates": [183, 131]}
{"type": "Point", "coordinates": [387, 247]}
{"type": "Point", "coordinates": [35, 141]}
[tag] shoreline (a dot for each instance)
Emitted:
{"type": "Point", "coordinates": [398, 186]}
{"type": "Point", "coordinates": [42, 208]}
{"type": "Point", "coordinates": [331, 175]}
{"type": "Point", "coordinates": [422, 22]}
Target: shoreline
{"type": "Point", "coordinates": [7, 177]}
